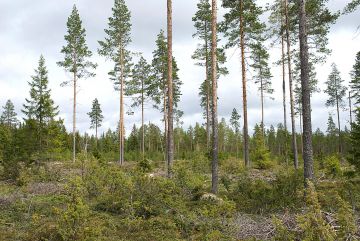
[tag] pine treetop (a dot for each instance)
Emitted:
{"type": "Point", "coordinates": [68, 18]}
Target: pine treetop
{"type": "Point", "coordinates": [76, 52]}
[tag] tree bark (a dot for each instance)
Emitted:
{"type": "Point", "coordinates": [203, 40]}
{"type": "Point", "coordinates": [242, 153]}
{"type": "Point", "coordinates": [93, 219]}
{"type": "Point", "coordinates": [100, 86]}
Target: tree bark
{"type": "Point", "coordinates": [243, 70]}
{"type": "Point", "coordinates": [142, 120]}
{"type": "Point", "coordinates": [350, 110]}
{"type": "Point", "coordinates": [293, 127]}
{"type": "Point", "coordinates": [339, 124]}
{"type": "Point", "coordinates": [122, 128]}
{"type": "Point", "coordinates": [74, 119]}
{"type": "Point", "coordinates": [306, 101]}
{"type": "Point", "coordinates": [170, 138]}
{"type": "Point", "coordinates": [215, 141]}
{"type": "Point", "coordinates": [208, 91]}
{"type": "Point", "coordinates": [284, 79]}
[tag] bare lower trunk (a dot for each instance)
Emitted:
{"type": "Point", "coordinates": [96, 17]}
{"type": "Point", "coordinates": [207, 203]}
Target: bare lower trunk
{"type": "Point", "coordinates": [74, 119]}
{"type": "Point", "coordinates": [208, 91]}
{"type": "Point", "coordinates": [243, 71]}
{"type": "Point", "coordinates": [339, 125]}
{"type": "Point", "coordinates": [306, 102]}
{"type": "Point", "coordinates": [142, 120]}
{"type": "Point", "coordinates": [122, 128]}
{"type": "Point", "coordinates": [350, 110]}
{"type": "Point", "coordinates": [293, 127]}
{"type": "Point", "coordinates": [215, 143]}
{"type": "Point", "coordinates": [262, 112]}
{"type": "Point", "coordinates": [284, 82]}
{"type": "Point", "coordinates": [170, 141]}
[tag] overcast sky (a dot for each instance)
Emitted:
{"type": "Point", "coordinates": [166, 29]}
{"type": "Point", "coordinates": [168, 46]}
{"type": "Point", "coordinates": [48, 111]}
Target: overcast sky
{"type": "Point", "coordinates": [30, 28]}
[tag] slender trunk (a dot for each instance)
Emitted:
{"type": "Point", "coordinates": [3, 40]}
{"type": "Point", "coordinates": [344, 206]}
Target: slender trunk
{"type": "Point", "coordinates": [142, 120]}
{"type": "Point", "coordinates": [306, 101]}
{"type": "Point", "coordinates": [170, 140]}
{"type": "Point", "coordinates": [339, 124]}
{"type": "Point", "coordinates": [243, 71]}
{"type": "Point", "coordinates": [74, 119]}
{"type": "Point", "coordinates": [96, 133]}
{"type": "Point", "coordinates": [122, 129]}
{"type": "Point", "coordinates": [208, 91]}
{"type": "Point", "coordinates": [262, 110]}
{"type": "Point", "coordinates": [293, 127]}
{"type": "Point", "coordinates": [215, 143]}
{"type": "Point", "coordinates": [284, 80]}
{"type": "Point", "coordinates": [165, 124]}
{"type": "Point", "coordinates": [301, 131]}
{"type": "Point", "coordinates": [350, 109]}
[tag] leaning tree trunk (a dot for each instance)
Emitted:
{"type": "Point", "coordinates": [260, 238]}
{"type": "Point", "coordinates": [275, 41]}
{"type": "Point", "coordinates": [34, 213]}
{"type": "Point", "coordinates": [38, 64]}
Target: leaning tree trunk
{"type": "Point", "coordinates": [243, 70]}
{"type": "Point", "coordinates": [284, 80]}
{"type": "Point", "coordinates": [170, 140]}
{"type": "Point", "coordinates": [306, 102]}
{"type": "Point", "coordinates": [215, 141]}
{"type": "Point", "coordinates": [293, 127]}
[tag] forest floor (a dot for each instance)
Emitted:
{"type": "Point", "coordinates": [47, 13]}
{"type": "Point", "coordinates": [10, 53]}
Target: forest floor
{"type": "Point", "coordinates": [31, 205]}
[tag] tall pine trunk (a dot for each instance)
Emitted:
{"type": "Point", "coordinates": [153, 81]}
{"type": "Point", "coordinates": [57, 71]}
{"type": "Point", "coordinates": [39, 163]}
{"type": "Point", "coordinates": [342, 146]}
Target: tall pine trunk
{"type": "Point", "coordinates": [293, 127]}
{"type": "Point", "coordinates": [284, 79]}
{"type": "Point", "coordinates": [208, 91]}
{"type": "Point", "coordinates": [122, 128]}
{"type": "Point", "coordinates": [74, 119]}
{"type": "Point", "coordinates": [243, 71]}
{"type": "Point", "coordinates": [170, 140]}
{"type": "Point", "coordinates": [350, 110]}
{"type": "Point", "coordinates": [142, 120]}
{"type": "Point", "coordinates": [306, 102]}
{"type": "Point", "coordinates": [215, 141]}
{"type": "Point", "coordinates": [339, 124]}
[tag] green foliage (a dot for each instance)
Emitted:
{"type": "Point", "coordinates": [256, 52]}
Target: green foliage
{"type": "Point", "coordinates": [95, 115]}
{"type": "Point", "coordinates": [73, 222]}
{"type": "Point", "coordinates": [261, 196]}
{"type": "Point", "coordinates": [9, 116]}
{"type": "Point", "coordinates": [312, 223]}
{"type": "Point", "coordinates": [354, 155]}
{"type": "Point", "coordinates": [157, 89]}
{"type": "Point", "coordinates": [259, 154]}
{"type": "Point", "coordinates": [281, 231]}
{"type": "Point", "coordinates": [76, 52]}
{"type": "Point", "coordinates": [346, 220]}
{"type": "Point", "coordinates": [332, 166]}
{"type": "Point", "coordinates": [355, 79]}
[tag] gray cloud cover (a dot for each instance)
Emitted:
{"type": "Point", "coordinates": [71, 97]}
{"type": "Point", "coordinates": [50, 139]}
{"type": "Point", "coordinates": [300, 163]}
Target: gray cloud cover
{"type": "Point", "coordinates": [31, 28]}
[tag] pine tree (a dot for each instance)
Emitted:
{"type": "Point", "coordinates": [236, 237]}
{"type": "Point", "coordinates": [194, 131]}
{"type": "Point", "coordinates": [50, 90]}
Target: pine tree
{"type": "Point", "coordinates": [170, 112]}
{"type": "Point", "coordinates": [214, 73]}
{"type": "Point", "coordinates": [355, 80]}
{"type": "Point", "coordinates": [96, 117]}
{"type": "Point", "coordinates": [40, 108]}
{"type": "Point", "coordinates": [235, 123]}
{"type": "Point", "coordinates": [306, 101]}
{"type": "Point", "coordinates": [9, 116]}
{"type": "Point", "coordinates": [202, 23]}
{"type": "Point", "coordinates": [138, 88]}
{"type": "Point", "coordinates": [114, 47]}
{"type": "Point", "coordinates": [260, 58]}
{"type": "Point", "coordinates": [158, 88]}
{"type": "Point", "coordinates": [337, 95]}
{"type": "Point", "coordinates": [354, 157]}
{"type": "Point", "coordinates": [243, 28]}
{"type": "Point", "coordinates": [76, 55]}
